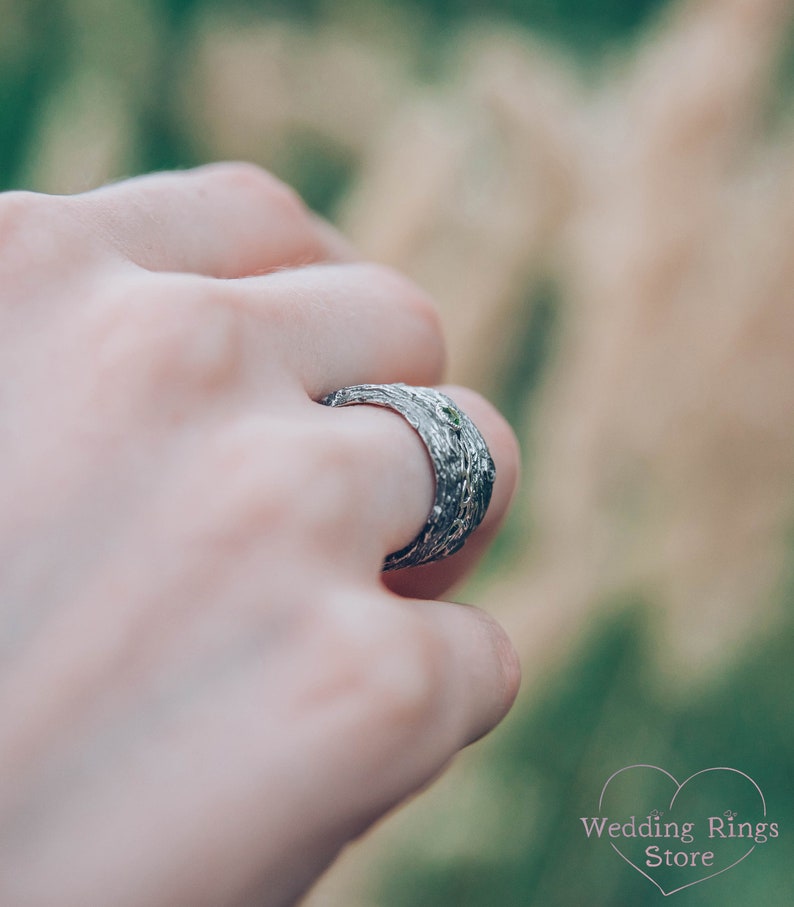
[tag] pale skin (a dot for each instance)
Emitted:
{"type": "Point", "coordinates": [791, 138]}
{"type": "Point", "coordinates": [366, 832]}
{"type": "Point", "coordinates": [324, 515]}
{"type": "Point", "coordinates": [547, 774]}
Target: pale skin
{"type": "Point", "coordinates": [207, 688]}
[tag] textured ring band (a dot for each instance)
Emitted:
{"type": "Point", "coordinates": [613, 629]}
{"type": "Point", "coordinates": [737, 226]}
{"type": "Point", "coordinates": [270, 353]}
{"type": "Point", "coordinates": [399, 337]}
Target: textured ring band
{"type": "Point", "coordinates": [463, 467]}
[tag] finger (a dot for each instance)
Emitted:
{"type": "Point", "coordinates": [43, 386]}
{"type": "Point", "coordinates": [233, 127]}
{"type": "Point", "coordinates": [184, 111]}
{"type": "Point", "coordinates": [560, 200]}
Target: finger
{"type": "Point", "coordinates": [432, 580]}
{"type": "Point", "coordinates": [446, 675]}
{"type": "Point", "coordinates": [221, 220]}
{"type": "Point", "coordinates": [481, 672]}
{"type": "Point", "coordinates": [389, 476]}
{"type": "Point", "coordinates": [390, 488]}
{"type": "Point", "coordinates": [336, 325]}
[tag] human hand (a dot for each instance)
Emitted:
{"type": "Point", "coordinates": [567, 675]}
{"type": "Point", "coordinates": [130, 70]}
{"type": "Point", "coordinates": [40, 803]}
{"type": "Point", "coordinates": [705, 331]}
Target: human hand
{"type": "Point", "coordinates": [206, 686]}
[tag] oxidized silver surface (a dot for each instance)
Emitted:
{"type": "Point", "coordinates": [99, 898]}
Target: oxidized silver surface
{"type": "Point", "coordinates": [461, 460]}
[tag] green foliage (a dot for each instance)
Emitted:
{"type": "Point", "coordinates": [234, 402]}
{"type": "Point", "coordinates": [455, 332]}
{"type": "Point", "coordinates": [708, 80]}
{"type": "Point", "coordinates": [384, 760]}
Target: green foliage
{"type": "Point", "coordinates": [32, 60]}
{"type": "Point", "coordinates": [586, 25]}
{"type": "Point", "coordinates": [319, 171]}
{"type": "Point", "coordinates": [534, 335]}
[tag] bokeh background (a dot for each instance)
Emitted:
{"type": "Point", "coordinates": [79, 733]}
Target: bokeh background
{"type": "Point", "coordinates": [600, 193]}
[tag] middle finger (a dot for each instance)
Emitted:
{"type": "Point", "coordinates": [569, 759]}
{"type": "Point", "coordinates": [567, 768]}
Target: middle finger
{"type": "Point", "coordinates": [336, 325]}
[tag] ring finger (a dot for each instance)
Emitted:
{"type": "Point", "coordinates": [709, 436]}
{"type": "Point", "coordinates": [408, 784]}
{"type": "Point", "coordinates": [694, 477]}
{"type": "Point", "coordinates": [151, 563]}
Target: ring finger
{"type": "Point", "coordinates": [396, 481]}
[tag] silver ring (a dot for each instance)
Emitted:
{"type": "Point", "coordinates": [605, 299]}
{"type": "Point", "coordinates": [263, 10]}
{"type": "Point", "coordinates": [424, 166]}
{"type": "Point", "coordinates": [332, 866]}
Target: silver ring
{"type": "Point", "coordinates": [463, 467]}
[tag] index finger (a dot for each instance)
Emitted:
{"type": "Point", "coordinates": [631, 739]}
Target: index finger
{"type": "Point", "coordinates": [221, 220]}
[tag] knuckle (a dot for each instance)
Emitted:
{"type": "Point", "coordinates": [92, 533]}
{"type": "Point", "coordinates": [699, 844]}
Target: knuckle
{"type": "Point", "coordinates": [169, 338]}
{"type": "Point", "coordinates": [330, 485]}
{"type": "Point", "coordinates": [276, 480]}
{"type": "Point", "coordinates": [416, 305]}
{"type": "Point", "coordinates": [249, 499]}
{"type": "Point", "coordinates": [19, 207]}
{"type": "Point", "coordinates": [396, 671]}
{"type": "Point", "coordinates": [39, 236]}
{"type": "Point", "coordinates": [409, 677]}
{"type": "Point", "coordinates": [26, 217]}
{"type": "Point", "coordinates": [262, 185]}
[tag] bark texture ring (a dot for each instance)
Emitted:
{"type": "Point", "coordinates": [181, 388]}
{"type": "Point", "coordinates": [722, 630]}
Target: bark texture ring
{"type": "Point", "coordinates": [463, 466]}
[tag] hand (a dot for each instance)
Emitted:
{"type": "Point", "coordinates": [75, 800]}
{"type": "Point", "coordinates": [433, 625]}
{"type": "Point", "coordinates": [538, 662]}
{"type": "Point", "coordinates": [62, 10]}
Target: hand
{"type": "Point", "coordinates": [206, 688]}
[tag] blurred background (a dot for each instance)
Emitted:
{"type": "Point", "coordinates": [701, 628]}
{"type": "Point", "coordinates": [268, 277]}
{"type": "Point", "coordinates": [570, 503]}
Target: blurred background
{"type": "Point", "coordinates": [600, 193]}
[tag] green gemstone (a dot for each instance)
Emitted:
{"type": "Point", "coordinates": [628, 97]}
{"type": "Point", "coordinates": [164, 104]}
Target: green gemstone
{"type": "Point", "coordinates": [452, 416]}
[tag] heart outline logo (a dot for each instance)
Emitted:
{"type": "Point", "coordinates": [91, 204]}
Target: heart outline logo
{"type": "Point", "coordinates": [679, 787]}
